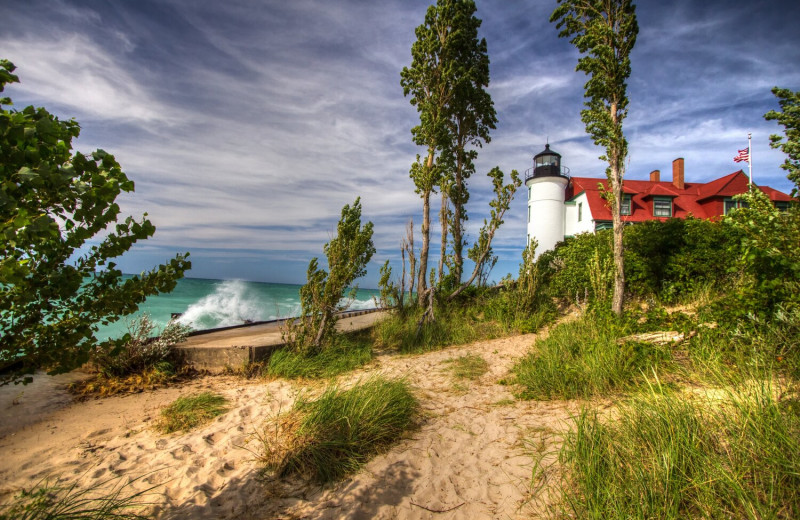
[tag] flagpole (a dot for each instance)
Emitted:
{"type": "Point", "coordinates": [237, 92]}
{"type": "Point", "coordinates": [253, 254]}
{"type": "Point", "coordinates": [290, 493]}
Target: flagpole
{"type": "Point", "coordinates": [750, 158]}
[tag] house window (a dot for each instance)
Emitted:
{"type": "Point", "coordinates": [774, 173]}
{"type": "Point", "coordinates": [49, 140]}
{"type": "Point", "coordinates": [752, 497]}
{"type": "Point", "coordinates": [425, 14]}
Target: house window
{"type": "Point", "coordinates": [603, 224]}
{"type": "Point", "coordinates": [529, 214]}
{"type": "Point", "coordinates": [580, 211]}
{"type": "Point", "coordinates": [626, 205]}
{"type": "Point", "coordinates": [731, 204]}
{"type": "Point", "coordinates": [782, 206]}
{"type": "Point", "coordinates": [529, 192]}
{"type": "Point", "coordinates": [662, 207]}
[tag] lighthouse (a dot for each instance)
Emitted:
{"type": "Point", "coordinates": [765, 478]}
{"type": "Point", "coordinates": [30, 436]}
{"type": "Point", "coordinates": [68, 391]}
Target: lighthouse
{"type": "Point", "coordinates": [547, 182]}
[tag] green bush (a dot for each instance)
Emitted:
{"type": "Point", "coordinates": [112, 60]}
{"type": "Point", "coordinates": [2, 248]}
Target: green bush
{"type": "Point", "coordinates": [670, 260]}
{"type": "Point", "coordinates": [334, 435]}
{"type": "Point", "coordinates": [768, 259]}
{"type": "Point", "coordinates": [143, 351]}
{"type": "Point", "coordinates": [565, 269]}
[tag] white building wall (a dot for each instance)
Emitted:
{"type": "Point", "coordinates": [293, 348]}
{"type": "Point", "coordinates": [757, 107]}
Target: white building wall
{"type": "Point", "coordinates": [546, 207]}
{"type": "Point", "coordinates": [573, 226]}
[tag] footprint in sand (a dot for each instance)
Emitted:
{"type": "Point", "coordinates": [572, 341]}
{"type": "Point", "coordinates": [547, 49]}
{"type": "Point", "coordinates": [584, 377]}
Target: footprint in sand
{"type": "Point", "coordinates": [97, 433]}
{"type": "Point", "coordinates": [211, 438]}
{"type": "Point", "coordinates": [182, 452]}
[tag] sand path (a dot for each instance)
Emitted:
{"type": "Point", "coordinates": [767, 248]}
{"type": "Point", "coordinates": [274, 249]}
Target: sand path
{"type": "Point", "coordinates": [472, 456]}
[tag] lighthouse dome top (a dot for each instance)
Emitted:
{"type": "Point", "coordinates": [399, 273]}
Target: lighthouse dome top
{"type": "Point", "coordinates": [547, 163]}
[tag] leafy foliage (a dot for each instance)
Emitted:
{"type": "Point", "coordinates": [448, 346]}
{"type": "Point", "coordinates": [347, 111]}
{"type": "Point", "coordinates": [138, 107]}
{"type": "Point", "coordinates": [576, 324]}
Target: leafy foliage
{"type": "Point", "coordinates": [56, 288]}
{"type": "Point", "coordinates": [143, 351]}
{"type": "Point", "coordinates": [768, 257]}
{"type": "Point", "coordinates": [789, 118]}
{"type": "Point", "coordinates": [348, 254]}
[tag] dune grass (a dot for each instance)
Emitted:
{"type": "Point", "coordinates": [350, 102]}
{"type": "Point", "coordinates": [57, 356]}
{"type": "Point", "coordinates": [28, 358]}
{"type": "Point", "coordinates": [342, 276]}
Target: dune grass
{"type": "Point", "coordinates": [454, 325]}
{"type": "Point", "coordinates": [668, 455]}
{"type": "Point", "coordinates": [52, 499]}
{"type": "Point", "coordinates": [468, 366]}
{"type": "Point", "coordinates": [334, 435]}
{"type": "Point", "coordinates": [583, 358]}
{"type": "Point", "coordinates": [186, 413]}
{"type": "Point", "coordinates": [348, 353]}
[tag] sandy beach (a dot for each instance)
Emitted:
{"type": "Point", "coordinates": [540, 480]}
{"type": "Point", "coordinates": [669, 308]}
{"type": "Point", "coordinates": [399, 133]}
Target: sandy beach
{"type": "Point", "coordinates": [471, 457]}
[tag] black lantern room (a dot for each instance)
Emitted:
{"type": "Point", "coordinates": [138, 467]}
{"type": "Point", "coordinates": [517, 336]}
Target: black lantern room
{"type": "Point", "coordinates": [547, 163]}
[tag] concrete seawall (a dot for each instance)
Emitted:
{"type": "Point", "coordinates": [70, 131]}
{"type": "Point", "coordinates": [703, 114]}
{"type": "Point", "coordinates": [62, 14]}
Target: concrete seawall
{"type": "Point", "coordinates": [215, 349]}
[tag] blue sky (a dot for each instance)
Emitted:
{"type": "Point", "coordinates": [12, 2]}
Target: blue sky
{"type": "Point", "coordinates": [248, 125]}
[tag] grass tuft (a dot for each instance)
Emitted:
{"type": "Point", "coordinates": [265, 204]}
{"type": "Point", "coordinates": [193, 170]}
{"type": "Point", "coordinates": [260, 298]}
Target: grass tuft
{"type": "Point", "coordinates": [51, 499]}
{"type": "Point", "coordinates": [334, 435]}
{"type": "Point", "coordinates": [469, 366]}
{"type": "Point", "coordinates": [189, 412]}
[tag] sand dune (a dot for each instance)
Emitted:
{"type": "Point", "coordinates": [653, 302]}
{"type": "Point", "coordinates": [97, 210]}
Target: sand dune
{"type": "Point", "coordinates": [472, 456]}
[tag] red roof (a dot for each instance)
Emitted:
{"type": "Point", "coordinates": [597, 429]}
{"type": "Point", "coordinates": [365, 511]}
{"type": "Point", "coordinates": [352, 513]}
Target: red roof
{"type": "Point", "coordinates": [700, 200]}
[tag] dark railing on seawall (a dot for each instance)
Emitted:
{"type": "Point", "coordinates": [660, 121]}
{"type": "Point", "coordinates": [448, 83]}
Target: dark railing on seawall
{"type": "Point", "coordinates": [343, 314]}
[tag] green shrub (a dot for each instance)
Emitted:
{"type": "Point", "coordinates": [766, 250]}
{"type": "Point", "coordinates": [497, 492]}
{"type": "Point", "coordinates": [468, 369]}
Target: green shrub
{"type": "Point", "coordinates": [334, 435]}
{"type": "Point", "coordinates": [583, 358]}
{"type": "Point", "coordinates": [669, 456]}
{"type": "Point", "coordinates": [768, 260]}
{"type": "Point", "coordinates": [142, 352]}
{"type": "Point", "coordinates": [564, 270]}
{"type": "Point", "coordinates": [670, 260]}
{"type": "Point", "coordinates": [522, 305]}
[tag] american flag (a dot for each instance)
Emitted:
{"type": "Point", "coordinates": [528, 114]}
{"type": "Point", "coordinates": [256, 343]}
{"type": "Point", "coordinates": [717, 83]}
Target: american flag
{"type": "Point", "coordinates": [744, 155]}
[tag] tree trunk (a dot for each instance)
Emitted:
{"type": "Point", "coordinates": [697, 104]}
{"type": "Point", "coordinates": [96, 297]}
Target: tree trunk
{"type": "Point", "coordinates": [615, 163]}
{"type": "Point", "coordinates": [458, 231]}
{"type": "Point", "coordinates": [426, 235]}
{"type": "Point", "coordinates": [412, 260]}
{"type": "Point", "coordinates": [443, 219]}
{"type": "Point", "coordinates": [618, 300]}
{"type": "Point", "coordinates": [422, 282]}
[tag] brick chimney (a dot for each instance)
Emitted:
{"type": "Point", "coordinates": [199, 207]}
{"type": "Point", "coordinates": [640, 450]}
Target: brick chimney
{"type": "Point", "coordinates": [655, 176]}
{"type": "Point", "coordinates": [677, 173]}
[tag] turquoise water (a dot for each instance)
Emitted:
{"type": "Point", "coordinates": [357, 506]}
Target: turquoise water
{"type": "Point", "coordinates": [207, 304]}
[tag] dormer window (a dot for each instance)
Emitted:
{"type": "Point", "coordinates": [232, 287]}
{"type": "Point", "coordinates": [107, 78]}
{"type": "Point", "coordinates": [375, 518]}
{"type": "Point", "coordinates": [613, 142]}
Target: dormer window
{"type": "Point", "coordinates": [662, 206]}
{"type": "Point", "coordinates": [625, 209]}
{"type": "Point", "coordinates": [731, 204]}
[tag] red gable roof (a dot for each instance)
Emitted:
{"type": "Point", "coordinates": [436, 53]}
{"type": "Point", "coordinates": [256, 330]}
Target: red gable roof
{"type": "Point", "coordinates": [700, 200]}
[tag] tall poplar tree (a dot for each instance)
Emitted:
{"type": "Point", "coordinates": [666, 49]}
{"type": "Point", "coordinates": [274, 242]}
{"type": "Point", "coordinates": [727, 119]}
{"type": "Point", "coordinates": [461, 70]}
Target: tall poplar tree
{"type": "Point", "coordinates": [446, 80]}
{"type": "Point", "coordinates": [472, 116]}
{"type": "Point", "coordinates": [604, 31]}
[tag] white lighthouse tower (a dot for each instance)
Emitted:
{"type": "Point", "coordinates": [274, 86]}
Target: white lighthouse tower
{"type": "Point", "coordinates": [546, 181]}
